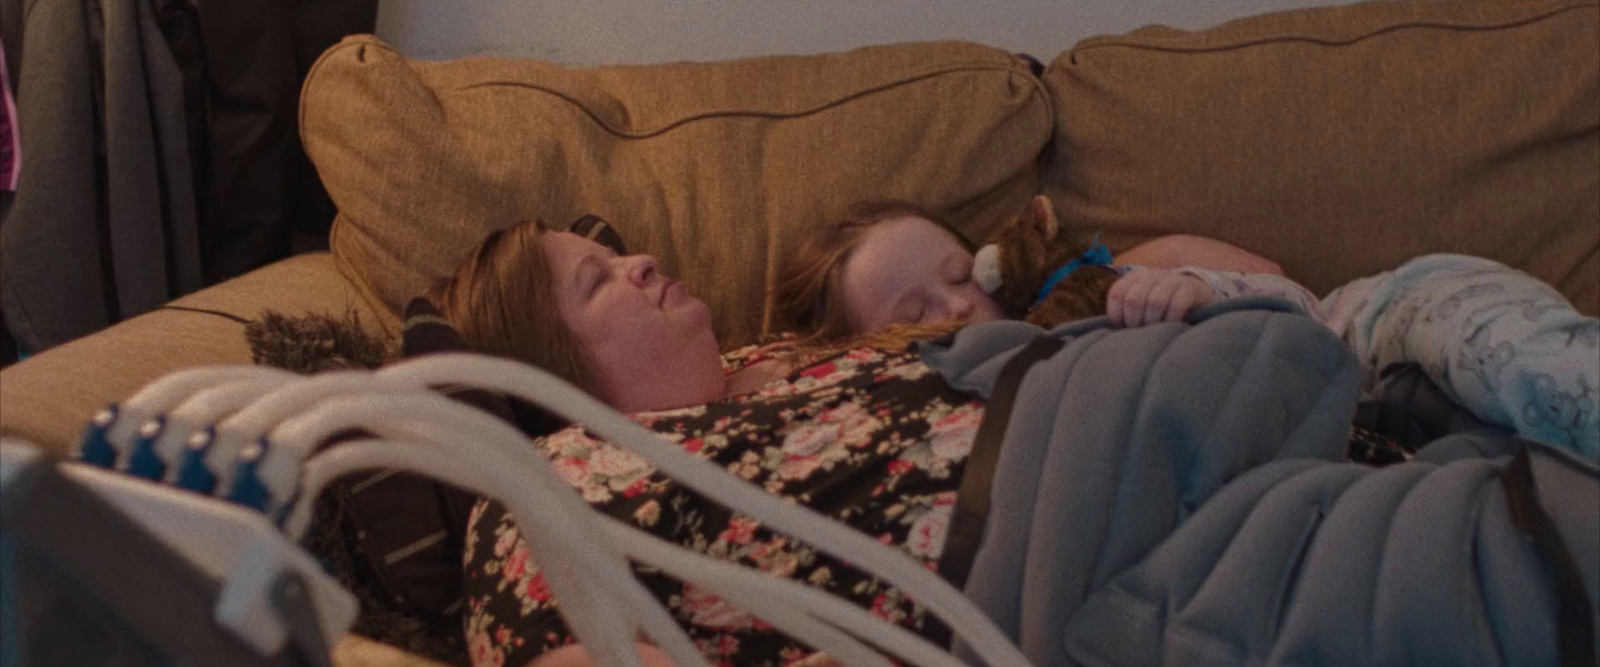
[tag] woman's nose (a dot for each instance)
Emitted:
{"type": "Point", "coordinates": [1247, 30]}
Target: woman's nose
{"type": "Point", "coordinates": [641, 270]}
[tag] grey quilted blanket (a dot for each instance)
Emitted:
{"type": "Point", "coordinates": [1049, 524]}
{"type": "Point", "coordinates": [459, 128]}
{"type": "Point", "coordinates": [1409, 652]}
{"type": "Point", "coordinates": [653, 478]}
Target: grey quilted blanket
{"type": "Point", "coordinates": [1177, 494]}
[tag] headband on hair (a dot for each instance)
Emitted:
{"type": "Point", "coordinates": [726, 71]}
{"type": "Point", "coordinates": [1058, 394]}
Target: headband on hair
{"type": "Point", "coordinates": [596, 229]}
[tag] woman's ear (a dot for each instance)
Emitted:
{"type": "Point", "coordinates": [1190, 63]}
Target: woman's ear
{"type": "Point", "coordinates": [1045, 214]}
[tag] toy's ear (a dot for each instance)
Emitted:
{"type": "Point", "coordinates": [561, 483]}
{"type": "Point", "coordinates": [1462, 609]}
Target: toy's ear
{"type": "Point", "coordinates": [1045, 214]}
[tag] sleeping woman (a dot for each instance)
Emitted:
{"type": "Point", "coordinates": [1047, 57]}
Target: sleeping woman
{"type": "Point", "coordinates": [873, 439]}
{"type": "Point", "coordinates": [1499, 342]}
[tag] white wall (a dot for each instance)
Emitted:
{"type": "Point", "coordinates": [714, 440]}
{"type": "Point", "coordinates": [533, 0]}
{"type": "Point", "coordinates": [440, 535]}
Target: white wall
{"type": "Point", "coordinates": [642, 31]}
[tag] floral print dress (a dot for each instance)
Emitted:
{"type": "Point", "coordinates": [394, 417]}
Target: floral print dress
{"type": "Point", "coordinates": [875, 440]}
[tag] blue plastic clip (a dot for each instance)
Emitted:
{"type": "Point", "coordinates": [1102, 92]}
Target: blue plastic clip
{"type": "Point", "coordinates": [143, 461]}
{"type": "Point", "coordinates": [247, 487]}
{"type": "Point", "coordinates": [93, 448]}
{"type": "Point", "coordinates": [192, 471]}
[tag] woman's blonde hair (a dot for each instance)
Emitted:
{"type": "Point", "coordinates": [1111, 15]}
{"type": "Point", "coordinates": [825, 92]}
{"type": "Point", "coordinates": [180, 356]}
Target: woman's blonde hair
{"type": "Point", "coordinates": [808, 297]}
{"type": "Point", "coordinates": [502, 300]}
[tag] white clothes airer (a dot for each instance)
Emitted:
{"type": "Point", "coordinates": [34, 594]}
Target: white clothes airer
{"type": "Point", "coordinates": [248, 434]}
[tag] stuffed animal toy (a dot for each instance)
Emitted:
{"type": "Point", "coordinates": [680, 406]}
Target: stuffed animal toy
{"type": "Point", "coordinates": [1040, 271]}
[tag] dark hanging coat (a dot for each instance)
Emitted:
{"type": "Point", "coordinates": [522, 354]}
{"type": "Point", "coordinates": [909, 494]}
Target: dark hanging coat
{"type": "Point", "coordinates": [103, 223]}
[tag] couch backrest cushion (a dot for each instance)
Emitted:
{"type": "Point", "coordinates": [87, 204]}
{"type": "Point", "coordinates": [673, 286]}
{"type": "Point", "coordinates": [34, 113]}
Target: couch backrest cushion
{"type": "Point", "coordinates": [1341, 141]}
{"type": "Point", "coordinates": [712, 167]}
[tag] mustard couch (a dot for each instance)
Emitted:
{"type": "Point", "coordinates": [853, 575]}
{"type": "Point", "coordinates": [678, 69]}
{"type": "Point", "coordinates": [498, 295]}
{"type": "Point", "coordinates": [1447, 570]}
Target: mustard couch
{"type": "Point", "coordinates": [1338, 141]}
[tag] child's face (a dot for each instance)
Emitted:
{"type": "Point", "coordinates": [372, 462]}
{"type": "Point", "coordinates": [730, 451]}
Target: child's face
{"type": "Point", "coordinates": [907, 269]}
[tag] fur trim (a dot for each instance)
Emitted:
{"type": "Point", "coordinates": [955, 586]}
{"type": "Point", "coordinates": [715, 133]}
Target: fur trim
{"type": "Point", "coordinates": [315, 342]}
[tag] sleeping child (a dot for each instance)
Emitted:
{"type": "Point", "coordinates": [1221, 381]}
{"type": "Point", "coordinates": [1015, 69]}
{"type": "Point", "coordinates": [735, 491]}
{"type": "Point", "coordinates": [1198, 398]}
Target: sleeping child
{"type": "Point", "coordinates": [1502, 344]}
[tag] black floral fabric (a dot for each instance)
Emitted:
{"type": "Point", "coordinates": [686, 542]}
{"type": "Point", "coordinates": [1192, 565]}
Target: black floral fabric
{"type": "Point", "coordinates": [875, 440]}
{"type": "Point", "coordinates": [1376, 449]}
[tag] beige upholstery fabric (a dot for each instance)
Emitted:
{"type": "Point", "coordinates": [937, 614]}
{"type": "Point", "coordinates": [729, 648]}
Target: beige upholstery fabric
{"type": "Point", "coordinates": [48, 398]}
{"type": "Point", "coordinates": [711, 167]}
{"type": "Point", "coordinates": [1340, 141]}
{"type": "Point", "coordinates": [358, 651]}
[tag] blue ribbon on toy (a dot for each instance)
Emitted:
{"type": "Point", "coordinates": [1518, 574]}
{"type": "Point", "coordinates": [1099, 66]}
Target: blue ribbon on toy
{"type": "Point", "coordinates": [1097, 255]}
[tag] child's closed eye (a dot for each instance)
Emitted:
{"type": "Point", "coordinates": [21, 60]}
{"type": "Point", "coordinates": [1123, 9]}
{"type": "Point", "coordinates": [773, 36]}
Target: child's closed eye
{"type": "Point", "coordinates": [911, 313]}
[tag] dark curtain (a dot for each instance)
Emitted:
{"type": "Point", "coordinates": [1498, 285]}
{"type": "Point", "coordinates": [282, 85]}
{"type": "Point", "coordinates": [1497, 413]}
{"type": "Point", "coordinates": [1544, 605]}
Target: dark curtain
{"type": "Point", "coordinates": [262, 188]}
{"type": "Point", "coordinates": [164, 146]}
{"type": "Point", "coordinates": [102, 226]}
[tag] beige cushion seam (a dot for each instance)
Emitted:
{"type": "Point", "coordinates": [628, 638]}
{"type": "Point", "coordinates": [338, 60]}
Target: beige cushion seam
{"type": "Point", "coordinates": [1438, 25]}
{"type": "Point", "coordinates": [746, 113]}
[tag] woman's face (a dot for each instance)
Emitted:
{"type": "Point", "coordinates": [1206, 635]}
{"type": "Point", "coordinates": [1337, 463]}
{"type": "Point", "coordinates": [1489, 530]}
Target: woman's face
{"type": "Point", "coordinates": [648, 344]}
{"type": "Point", "coordinates": [907, 269]}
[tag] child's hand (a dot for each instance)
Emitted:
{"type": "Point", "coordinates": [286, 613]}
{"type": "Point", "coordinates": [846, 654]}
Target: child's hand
{"type": "Point", "coordinates": [1147, 296]}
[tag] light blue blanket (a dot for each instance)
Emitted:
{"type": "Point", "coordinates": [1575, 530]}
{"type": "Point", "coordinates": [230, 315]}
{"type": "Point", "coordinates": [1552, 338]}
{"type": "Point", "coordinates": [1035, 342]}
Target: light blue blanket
{"type": "Point", "coordinates": [1177, 494]}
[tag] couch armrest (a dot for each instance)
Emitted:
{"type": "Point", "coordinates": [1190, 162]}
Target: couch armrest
{"type": "Point", "coordinates": [48, 397]}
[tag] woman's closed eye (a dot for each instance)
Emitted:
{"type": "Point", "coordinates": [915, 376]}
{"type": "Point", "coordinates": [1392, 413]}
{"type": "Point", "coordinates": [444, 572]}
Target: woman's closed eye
{"type": "Point", "coordinates": [592, 273]}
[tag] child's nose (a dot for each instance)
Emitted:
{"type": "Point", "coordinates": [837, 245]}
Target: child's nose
{"type": "Point", "coordinates": [960, 307]}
